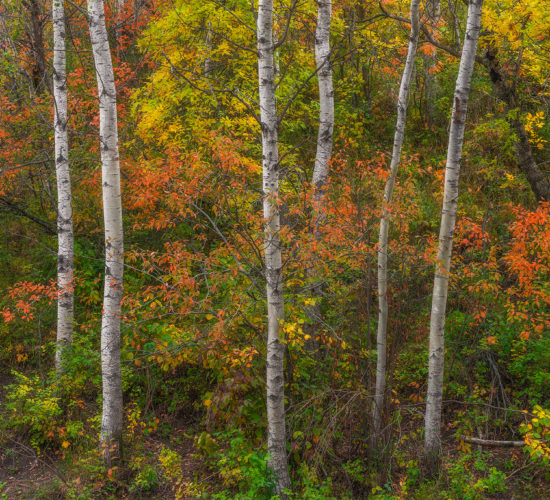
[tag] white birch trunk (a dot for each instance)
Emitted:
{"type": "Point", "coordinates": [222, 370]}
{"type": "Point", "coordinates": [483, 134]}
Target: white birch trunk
{"type": "Point", "coordinates": [276, 432]}
{"type": "Point", "coordinates": [324, 146]}
{"type": "Point", "coordinates": [381, 338]}
{"type": "Point", "coordinates": [326, 109]}
{"type": "Point", "coordinates": [65, 246]}
{"type": "Point", "coordinates": [111, 423]}
{"type": "Point", "coordinates": [432, 440]}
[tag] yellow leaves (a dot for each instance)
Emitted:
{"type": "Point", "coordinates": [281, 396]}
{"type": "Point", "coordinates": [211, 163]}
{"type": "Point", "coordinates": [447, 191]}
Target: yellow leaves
{"type": "Point", "coordinates": [294, 334]}
{"type": "Point", "coordinates": [536, 434]}
{"type": "Point", "coordinates": [463, 446]}
{"type": "Point", "coordinates": [532, 124]}
{"type": "Point", "coordinates": [509, 181]}
{"type": "Point", "coordinates": [24, 388]}
{"type": "Point", "coordinates": [65, 444]}
{"type": "Point", "coordinates": [520, 32]}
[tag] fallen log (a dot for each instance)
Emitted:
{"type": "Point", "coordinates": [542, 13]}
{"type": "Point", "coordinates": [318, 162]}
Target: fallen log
{"type": "Point", "coordinates": [492, 443]}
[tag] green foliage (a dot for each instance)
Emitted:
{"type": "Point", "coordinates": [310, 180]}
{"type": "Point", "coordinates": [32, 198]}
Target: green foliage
{"type": "Point", "coordinates": [462, 483]}
{"type": "Point", "coordinates": [243, 469]}
{"type": "Point", "coordinates": [146, 480]}
{"type": "Point", "coordinates": [536, 435]}
{"type": "Point", "coordinates": [33, 409]}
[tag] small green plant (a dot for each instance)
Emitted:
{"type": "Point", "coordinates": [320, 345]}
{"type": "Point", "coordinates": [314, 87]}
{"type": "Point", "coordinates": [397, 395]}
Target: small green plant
{"type": "Point", "coordinates": [146, 480]}
{"type": "Point", "coordinates": [33, 409]}
{"type": "Point", "coordinates": [245, 468]}
{"type": "Point", "coordinates": [311, 487]}
{"type": "Point", "coordinates": [493, 483]}
{"type": "Point", "coordinates": [413, 476]}
{"type": "Point", "coordinates": [356, 470]}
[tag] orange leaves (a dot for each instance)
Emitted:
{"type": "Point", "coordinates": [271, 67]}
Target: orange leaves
{"type": "Point", "coordinates": [7, 315]}
{"type": "Point", "coordinates": [426, 49]}
{"type": "Point", "coordinates": [25, 296]}
{"type": "Point", "coordinates": [529, 255]}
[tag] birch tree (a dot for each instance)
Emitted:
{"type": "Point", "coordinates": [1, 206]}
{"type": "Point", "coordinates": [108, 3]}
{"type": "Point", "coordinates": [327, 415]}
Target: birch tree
{"type": "Point", "coordinates": [381, 339]}
{"type": "Point", "coordinates": [65, 251]}
{"type": "Point", "coordinates": [326, 110]}
{"type": "Point", "coordinates": [111, 423]}
{"type": "Point", "coordinates": [276, 432]}
{"type": "Point", "coordinates": [432, 439]}
{"type": "Point", "coordinates": [324, 139]}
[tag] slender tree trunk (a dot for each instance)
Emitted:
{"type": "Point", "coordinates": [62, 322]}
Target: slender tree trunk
{"type": "Point", "coordinates": [430, 62]}
{"type": "Point", "coordinates": [39, 70]}
{"type": "Point", "coordinates": [111, 423]}
{"type": "Point", "coordinates": [540, 185]}
{"type": "Point", "coordinates": [65, 252]}
{"type": "Point", "coordinates": [276, 432]}
{"type": "Point", "coordinates": [432, 442]}
{"type": "Point", "coordinates": [326, 111]}
{"type": "Point", "coordinates": [120, 26]}
{"type": "Point", "coordinates": [399, 135]}
{"type": "Point", "coordinates": [324, 148]}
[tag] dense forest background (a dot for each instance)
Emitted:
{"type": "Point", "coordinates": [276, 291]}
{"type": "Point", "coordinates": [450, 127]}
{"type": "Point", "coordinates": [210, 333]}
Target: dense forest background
{"type": "Point", "coordinates": [194, 316]}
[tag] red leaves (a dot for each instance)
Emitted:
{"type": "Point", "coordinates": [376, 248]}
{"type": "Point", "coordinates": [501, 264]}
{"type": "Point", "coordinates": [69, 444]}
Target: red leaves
{"type": "Point", "coordinates": [25, 296]}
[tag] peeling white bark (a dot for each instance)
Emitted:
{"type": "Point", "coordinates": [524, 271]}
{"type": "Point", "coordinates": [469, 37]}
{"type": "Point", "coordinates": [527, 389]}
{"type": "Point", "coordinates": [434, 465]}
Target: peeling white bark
{"type": "Point", "coordinates": [65, 246]}
{"type": "Point", "coordinates": [326, 109]}
{"type": "Point", "coordinates": [324, 148]}
{"type": "Point", "coordinates": [111, 423]}
{"type": "Point", "coordinates": [381, 338]}
{"type": "Point", "coordinates": [276, 431]}
{"type": "Point", "coordinates": [432, 439]}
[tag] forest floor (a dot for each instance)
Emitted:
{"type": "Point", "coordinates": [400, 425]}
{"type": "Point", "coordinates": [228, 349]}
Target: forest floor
{"type": "Point", "coordinates": [26, 474]}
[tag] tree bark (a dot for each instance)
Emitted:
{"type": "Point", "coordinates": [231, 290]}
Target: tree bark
{"type": "Point", "coordinates": [324, 150]}
{"type": "Point", "coordinates": [326, 111]}
{"type": "Point", "coordinates": [276, 431]}
{"type": "Point", "coordinates": [111, 423]}
{"type": "Point", "coordinates": [381, 340]}
{"type": "Point", "coordinates": [65, 251]}
{"type": "Point", "coordinates": [39, 69]}
{"type": "Point", "coordinates": [540, 185]}
{"type": "Point", "coordinates": [432, 441]}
